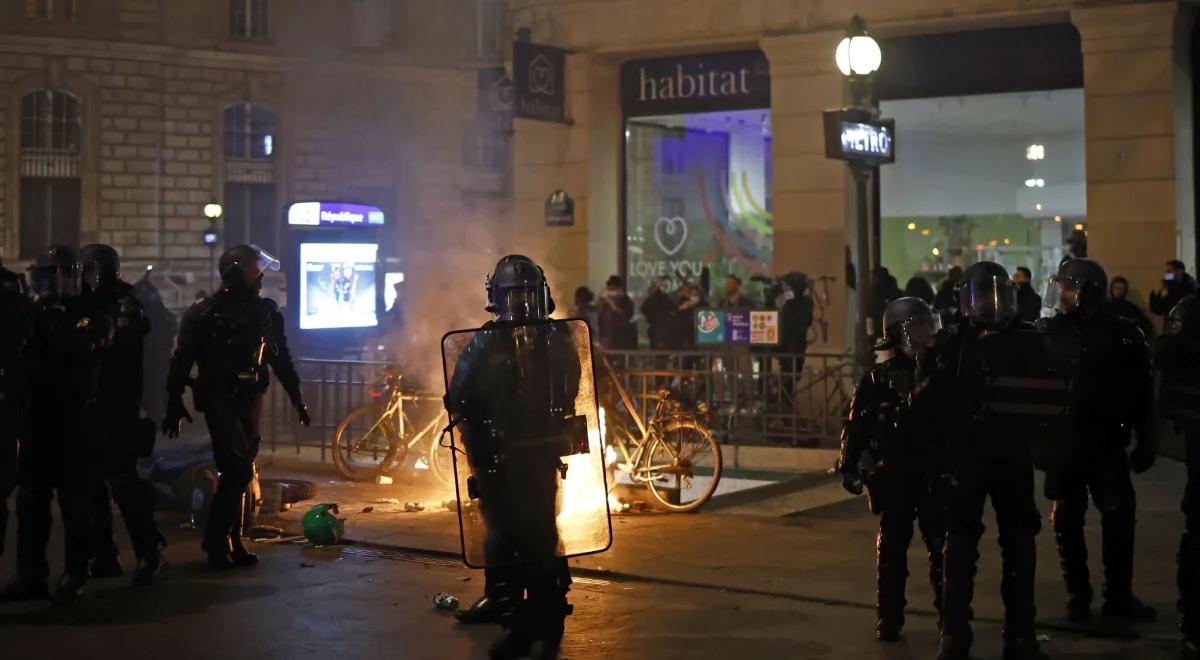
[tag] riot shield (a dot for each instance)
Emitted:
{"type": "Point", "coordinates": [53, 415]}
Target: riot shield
{"type": "Point", "coordinates": [1028, 378]}
{"type": "Point", "coordinates": [528, 455]}
{"type": "Point", "coordinates": [1178, 360]}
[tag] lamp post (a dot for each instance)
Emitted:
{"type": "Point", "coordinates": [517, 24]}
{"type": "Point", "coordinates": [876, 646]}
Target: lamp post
{"type": "Point", "coordinates": [211, 237]}
{"type": "Point", "coordinates": [858, 57]}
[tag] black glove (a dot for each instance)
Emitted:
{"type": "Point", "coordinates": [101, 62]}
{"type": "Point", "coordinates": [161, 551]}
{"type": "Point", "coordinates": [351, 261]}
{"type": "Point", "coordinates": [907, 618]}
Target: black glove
{"type": "Point", "coordinates": [176, 413]}
{"type": "Point", "coordinates": [305, 419]}
{"type": "Point", "coordinates": [1141, 459]}
{"type": "Point", "coordinates": [852, 483]}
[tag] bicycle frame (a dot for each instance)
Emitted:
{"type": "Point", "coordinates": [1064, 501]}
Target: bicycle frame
{"type": "Point", "coordinates": [395, 409]}
{"type": "Point", "coordinates": [636, 461]}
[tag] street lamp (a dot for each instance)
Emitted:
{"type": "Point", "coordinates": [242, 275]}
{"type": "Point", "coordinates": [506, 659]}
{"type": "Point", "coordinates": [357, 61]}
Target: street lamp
{"type": "Point", "coordinates": [858, 58]}
{"type": "Point", "coordinates": [211, 237]}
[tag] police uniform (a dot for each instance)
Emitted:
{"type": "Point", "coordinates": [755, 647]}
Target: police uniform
{"type": "Point", "coordinates": [15, 318]}
{"type": "Point", "coordinates": [232, 336]}
{"type": "Point", "coordinates": [1177, 357]}
{"type": "Point", "coordinates": [122, 437]}
{"type": "Point", "coordinates": [885, 445]}
{"type": "Point", "coordinates": [1111, 399]}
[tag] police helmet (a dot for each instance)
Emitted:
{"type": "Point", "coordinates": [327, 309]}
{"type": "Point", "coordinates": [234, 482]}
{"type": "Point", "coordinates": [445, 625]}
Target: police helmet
{"type": "Point", "coordinates": [99, 263]}
{"type": "Point", "coordinates": [233, 263]}
{"type": "Point", "coordinates": [1083, 286]}
{"type": "Point", "coordinates": [909, 325]}
{"type": "Point", "coordinates": [55, 272]}
{"type": "Point", "coordinates": [517, 290]}
{"type": "Point", "coordinates": [987, 297]}
{"type": "Point", "coordinates": [1184, 319]}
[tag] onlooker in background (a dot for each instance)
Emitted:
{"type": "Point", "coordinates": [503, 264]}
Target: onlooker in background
{"type": "Point", "coordinates": [617, 331]}
{"type": "Point", "coordinates": [919, 287]}
{"type": "Point", "coordinates": [1176, 284]}
{"type": "Point", "coordinates": [585, 308]}
{"type": "Point", "coordinates": [884, 289]}
{"type": "Point", "coordinates": [733, 294]}
{"type": "Point", "coordinates": [657, 307]}
{"type": "Point", "coordinates": [1120, 305]}
{"type": "Point", "coordinates": [1029, 303]}
{"type": "Point", "coordinates": [394, 316]}
{"type": "Point", "coordinates": [795, 318]}
{"type": "Point", "coordinates": [946, 301]}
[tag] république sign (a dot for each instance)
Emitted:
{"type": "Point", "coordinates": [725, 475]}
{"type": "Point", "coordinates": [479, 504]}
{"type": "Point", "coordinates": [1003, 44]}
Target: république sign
{"type": "Point", "coordinates": [696, 83]}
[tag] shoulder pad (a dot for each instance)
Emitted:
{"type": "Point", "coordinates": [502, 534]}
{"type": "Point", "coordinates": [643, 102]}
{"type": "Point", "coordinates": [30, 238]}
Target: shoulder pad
{"type": "Point", "coordinates": [1128, 331]}
{"type": "Point", "coordinates": [269, 305]}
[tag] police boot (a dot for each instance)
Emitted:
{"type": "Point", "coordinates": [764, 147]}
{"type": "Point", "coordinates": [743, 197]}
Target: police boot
{"type": "Point", "coordinates": [498, 602]}
{"type": "Point", "coordinates": [24, 589]}
{"type": "Point", "coordinates": [954, 648]}
{"type": "Point", "coordinates": [69, 592]}
{"type": "Point", "coordinates": [1188, 581]}
{"type": "Point", "coordinates": [218, 551]}
{"type": "Point", "coordinates": [239, 554]}
{"type": "Point", "coordinates": [1072, 557]}
{"type": "Point", "coordinates": [890, 602]}
{"type": "Point", "coordinates": [150, 565]}
{"type": "Point", "coordinates": [1130, 608]}
{"type": "Point", "coordinates": [937, 576]}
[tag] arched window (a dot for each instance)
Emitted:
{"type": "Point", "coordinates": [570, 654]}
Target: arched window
{"type": "Point", "coordinates": [251, 215]}
{"type": "Point", "coordinates": [50, 121]}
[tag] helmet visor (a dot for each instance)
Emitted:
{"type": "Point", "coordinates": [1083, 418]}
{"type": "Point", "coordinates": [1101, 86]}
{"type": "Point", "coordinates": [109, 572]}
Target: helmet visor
{"type": "Point", "coordinates": [266, 261]}
{"type": "Point", "coordinates": [516, 304]}
{"type": "Point", "coordinates": [988, 302]}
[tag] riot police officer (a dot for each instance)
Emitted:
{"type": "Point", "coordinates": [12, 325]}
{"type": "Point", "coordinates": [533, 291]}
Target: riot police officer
{"type": "Point", "coordinates": [118, 405]}
{"type": "Point", "coordinates": [977, 460]}
{"type": "Point", "coordinates": [232, 336]}
{"type": "Point", "coordinates": [885, 446]}
{"type": "Point", "coordinates": [62, 359]}
{"type": "Point", "coordinates": [514, 384]}
{"type": "Point", "coordinates": [15, 316]}
{"type": "Point", "coordinates": [1111, 402]}
{"type": "Point", "coordinates": [1177, 356]}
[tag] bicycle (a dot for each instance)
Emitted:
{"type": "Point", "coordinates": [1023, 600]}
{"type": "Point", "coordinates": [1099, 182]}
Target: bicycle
{"type": "Point", "coordinates": [377, 437]}
{"type": "Point", "coordinates": [674, 455]}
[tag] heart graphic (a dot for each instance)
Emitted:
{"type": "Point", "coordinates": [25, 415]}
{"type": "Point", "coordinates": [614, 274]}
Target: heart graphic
{"type": "Point", "coordinates": [670, 234]}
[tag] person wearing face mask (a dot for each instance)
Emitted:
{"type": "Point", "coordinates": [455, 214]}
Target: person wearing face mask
{"type": "Point", "coordinates": [1029, 303]}
{"type": "Point", "coordinates": [617, 331]}
{"type": "Point", "coordinates": [884, 447]}
{"type": "Point", "coordinates": [1111, 405]}
{"type": "Point", "coordinates": [233, 336]}
{"type": "Point", "coordinates": [1176, 285]}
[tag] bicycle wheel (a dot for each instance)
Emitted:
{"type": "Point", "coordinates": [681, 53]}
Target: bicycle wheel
{"type": "Point", "coordinates": [441, 460]}
{"type": "Point", "coordinates": [364, 445]}
{"type": "Point", "coordinates": [683, 463]}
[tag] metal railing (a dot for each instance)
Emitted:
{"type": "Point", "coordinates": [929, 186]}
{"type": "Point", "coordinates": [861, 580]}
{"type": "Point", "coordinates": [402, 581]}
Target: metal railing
{"type": "Point", "coordinates": [753, 398]}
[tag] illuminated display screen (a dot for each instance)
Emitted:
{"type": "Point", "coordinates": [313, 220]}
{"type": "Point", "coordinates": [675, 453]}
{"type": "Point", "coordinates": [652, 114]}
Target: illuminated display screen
{"type": "Point", "coordinates": [337, 285]}
{"type": "Point", "coordinates": [333, 214]}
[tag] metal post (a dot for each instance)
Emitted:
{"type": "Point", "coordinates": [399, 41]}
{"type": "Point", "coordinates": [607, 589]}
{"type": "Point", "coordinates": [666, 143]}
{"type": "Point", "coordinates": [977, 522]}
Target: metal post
{"type": "Point", "coordinates": [212, 276]}
{"type": "Point", "coordinates": [863, 331]}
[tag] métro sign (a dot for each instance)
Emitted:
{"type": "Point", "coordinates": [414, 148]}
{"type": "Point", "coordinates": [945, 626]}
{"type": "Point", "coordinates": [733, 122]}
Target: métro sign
{"type": "Point", "coordinates": [854, 134]}
{"type": "Point", "coordinates": [333, 214]}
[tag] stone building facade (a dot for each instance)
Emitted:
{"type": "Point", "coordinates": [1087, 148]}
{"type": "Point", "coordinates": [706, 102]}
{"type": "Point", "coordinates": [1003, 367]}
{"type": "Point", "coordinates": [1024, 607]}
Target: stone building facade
{"type": "Point", "coordinates": [1137, 90]}
{"type": "Point", "coordinates": [121, 119]}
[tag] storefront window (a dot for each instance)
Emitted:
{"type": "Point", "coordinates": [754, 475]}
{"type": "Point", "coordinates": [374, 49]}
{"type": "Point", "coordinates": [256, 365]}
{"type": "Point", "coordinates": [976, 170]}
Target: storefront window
{"type": "Point", "coordinates": [996, 177]}
{"type": "Point", "coordinates": [698, 194]}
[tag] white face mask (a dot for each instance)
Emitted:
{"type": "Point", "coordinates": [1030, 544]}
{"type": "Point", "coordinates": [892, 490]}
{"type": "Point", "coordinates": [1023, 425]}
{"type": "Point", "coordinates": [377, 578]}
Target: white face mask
{"type": "Point", "coordinates": [1169, 277]}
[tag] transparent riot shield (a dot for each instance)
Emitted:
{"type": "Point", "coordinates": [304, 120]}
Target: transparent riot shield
{"type": "Point", "coordinates": [528, 456]}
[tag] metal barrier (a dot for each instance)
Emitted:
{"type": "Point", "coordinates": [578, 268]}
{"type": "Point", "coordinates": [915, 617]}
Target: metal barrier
{"type": "Point", "coordinates": [752, 397]}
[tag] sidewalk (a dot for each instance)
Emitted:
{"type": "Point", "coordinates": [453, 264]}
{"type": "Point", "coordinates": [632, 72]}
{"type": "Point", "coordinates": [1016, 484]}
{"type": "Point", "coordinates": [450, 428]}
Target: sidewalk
{"type": "Point", "coordinates": [808, 543]}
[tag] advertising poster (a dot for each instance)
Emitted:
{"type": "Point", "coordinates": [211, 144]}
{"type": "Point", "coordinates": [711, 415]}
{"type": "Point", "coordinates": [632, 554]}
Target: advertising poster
{"type": "Point", "coordinates": [338, 285]}
{"type": "Point", "coordinates": [737, 326]}
{"type": "Point", "coordinates": [710, 326]}
{"type": "Point", "coordinates": [764, 327]}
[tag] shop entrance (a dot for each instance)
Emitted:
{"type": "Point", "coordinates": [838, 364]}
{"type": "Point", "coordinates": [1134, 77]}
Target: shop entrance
{"type": "Point", "coordinates": [996, 177]}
